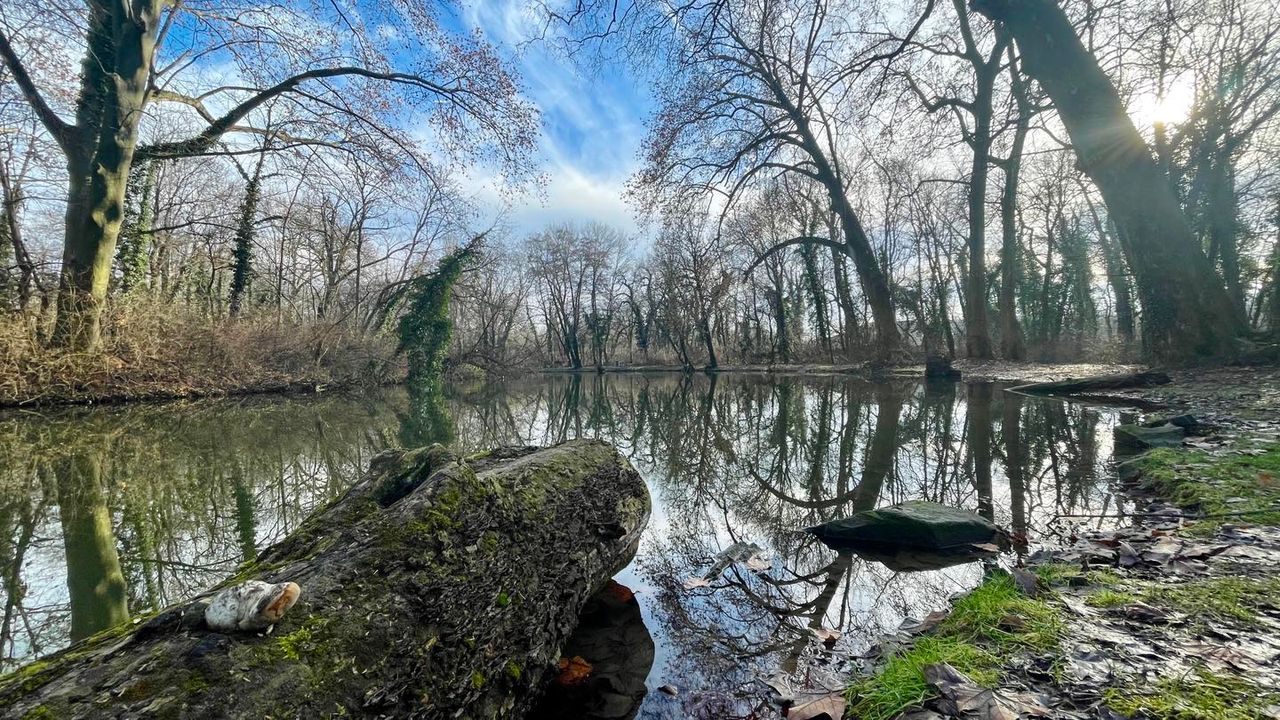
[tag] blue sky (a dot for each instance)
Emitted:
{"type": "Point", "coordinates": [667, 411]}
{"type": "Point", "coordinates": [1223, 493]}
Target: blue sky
{"type": "Point", "coordinates": [592, 118]}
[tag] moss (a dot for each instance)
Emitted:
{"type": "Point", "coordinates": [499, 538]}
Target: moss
{"type": "Point", "coordinates": [1053, 574]}
{"type": "Point", "coordinates": [195, 684]}
{"type": "Point", "coordinates": [990, 623]}
{"type": "Point", "coordinates": [477, 680]}
{"type": "Point", "coordinates": [1198, 695]}
{"type": "Point", "coordinates": [307, 642]}
{"type": "Point", "coordinates": [1219, 487]}
{"type": "Point", "coordinates": [997, 613]}
{"type": "Point", "coordinates": [514, 671]}
{"type": "Point", "coordinates": [40, 712]}
{"type": "Point", "coordinates": [29, 676]}
{"type": "Point", "coordinates": [503, 600]}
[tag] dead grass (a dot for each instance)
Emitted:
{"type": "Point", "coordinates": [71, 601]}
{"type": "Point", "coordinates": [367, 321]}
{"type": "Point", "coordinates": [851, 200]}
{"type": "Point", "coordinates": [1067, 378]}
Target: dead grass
{"type": "Point", "coordinates": [153, 351]}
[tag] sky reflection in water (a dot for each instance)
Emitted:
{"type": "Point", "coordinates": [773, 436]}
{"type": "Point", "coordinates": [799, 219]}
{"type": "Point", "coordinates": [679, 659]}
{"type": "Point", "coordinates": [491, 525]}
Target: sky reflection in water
{"type": "Point", "coordinates": [142, 506]}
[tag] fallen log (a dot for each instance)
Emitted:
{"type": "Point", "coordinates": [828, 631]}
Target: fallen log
{"type": "Point", "coordinates": [1121, 381]}
{"type": "Point", "coordinates": [436, 587]}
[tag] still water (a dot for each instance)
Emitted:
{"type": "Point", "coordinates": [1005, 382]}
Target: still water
{"type": "Point", "coordinates": [109, 512]}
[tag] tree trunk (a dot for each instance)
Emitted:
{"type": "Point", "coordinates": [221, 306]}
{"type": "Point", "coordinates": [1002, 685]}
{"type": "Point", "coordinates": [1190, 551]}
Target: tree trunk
{"type": "Point", "coordinates": [1013, 345]}
{"type": "Point", "coordinates": [1222, 227]}
{"type": "Point", "coordinates": [113, 88]}
{"type": "Point", "coordinates": [705, 328]}
{"type": "Point", "coordinates": [242, 266]}
{"type": "Point", "coordinates": [977, 334]}
{"type": "Point", "coordinates": [1187, 315]}
{"type": "Point", "coordinates": [435, 588]}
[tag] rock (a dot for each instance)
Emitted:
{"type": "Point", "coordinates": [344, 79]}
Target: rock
{"type": "Point", "coordinates": [938, 367]}
{"type": "Point", "coordinates": [1189, 423]}
{"type": "Point", "coordinates": [251, 605]}
{"type": "Point", "coordinates": [1132, 439]}
{"type": "Point", "coordinates": [1129, 471]}
{"type": "Point", "coordinates": [916, 524]}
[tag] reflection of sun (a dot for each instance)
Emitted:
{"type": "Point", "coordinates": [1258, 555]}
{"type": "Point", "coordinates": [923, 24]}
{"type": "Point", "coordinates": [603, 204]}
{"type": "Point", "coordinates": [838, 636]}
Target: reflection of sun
{"type": "Point", "coordinates": [1173, 107]}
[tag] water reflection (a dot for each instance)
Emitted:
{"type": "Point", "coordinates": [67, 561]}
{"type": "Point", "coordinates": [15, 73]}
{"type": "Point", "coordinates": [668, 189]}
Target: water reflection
{"type": "Point", "coordinates": [103, 511]}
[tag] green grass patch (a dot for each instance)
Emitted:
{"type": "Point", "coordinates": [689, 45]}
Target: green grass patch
{"type": "Point", "coordinates": [1201, 695]}
{"type": "Point", "coordinates": [1244, 487]}
{"type": "Point", "coordinates": [1228, 598]}
{"type": "Point", "coordinates": [985, 626]}
{"type": "Point", "coordinates": [1054, 574]}
{"type": "Point", "coordinates": [900, 683]}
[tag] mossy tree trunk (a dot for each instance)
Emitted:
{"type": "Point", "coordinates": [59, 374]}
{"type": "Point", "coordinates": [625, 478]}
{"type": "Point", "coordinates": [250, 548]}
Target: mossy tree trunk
{"type": "Point", "coordinates": [437, 587]}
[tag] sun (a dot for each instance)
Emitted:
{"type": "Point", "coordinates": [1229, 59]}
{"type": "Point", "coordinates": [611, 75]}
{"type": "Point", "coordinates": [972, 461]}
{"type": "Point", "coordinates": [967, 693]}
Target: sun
{"type": "Point", "coordinates": [1173, 107]}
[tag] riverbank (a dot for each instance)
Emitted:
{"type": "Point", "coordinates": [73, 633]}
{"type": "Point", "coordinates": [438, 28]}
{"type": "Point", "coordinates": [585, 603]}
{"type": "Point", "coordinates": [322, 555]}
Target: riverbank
{"type": "Point", "coordinates": [1171, 618]}
{"type": "Point", "coordinates": [982, 371]}
{"type": "Point", "coordinates": [166, 355]}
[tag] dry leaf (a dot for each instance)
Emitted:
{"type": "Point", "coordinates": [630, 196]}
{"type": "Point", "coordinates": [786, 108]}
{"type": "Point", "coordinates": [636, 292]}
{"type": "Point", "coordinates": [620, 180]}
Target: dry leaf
{"type": "Point", "coordinates": [573, 671]}
{"type": "Point", "coordinates": [825, 707]}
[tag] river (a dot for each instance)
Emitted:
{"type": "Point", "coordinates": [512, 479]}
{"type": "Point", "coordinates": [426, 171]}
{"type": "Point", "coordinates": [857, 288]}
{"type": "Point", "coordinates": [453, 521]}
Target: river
{"type": "Point", "coordinates": [111, 512]}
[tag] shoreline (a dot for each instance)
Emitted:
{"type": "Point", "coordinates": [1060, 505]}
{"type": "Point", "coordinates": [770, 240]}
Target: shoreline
{"type": "Point", "coordinates": [1189, 581]}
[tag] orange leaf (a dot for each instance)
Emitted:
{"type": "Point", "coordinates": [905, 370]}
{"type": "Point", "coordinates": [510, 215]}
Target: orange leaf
{"type": "Point", "coordinates": [573, 671]}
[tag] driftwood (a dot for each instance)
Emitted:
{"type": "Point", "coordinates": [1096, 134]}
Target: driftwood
{"type": "Point", "coordinates": [437, 587]}
{"type": "Point", "coordinates": [1122, 381]}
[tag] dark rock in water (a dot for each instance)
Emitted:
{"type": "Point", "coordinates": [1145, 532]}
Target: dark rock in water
{"type": "Point", "coordinates": [1128, 471]}
{"type": "Point", "coordinates": [1136, 438]}
{"type": "Point", "coordinates": [615, 647]}
{"type": "Point", "coordinates": [916, 560]}
{"type": "Point", "coordinates": [1189, 423]}
{"type": "Point", "coordinates": [917, 524]}
{"type": "Point", "coordinates": [938, 367]}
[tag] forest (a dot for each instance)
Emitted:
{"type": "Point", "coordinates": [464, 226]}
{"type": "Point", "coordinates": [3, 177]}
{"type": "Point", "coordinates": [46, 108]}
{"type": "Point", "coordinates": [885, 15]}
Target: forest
{"type": "Point", "coordinates": [203, 193]}
{"type": "Point", "coordinates": [639, 359]}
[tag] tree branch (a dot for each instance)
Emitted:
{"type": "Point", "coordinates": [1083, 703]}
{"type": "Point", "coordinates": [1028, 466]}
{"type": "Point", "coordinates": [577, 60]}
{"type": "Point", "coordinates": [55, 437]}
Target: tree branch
{"type": "Point", "coordinates": [802, 240]}
{"type": "Point", "coordinates": [224, 124]}
{"type": "Point", "coordinates": [57, 127]}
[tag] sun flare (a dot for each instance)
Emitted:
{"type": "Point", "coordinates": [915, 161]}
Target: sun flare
{"type": "Point", "coordinates": [1174, 106]}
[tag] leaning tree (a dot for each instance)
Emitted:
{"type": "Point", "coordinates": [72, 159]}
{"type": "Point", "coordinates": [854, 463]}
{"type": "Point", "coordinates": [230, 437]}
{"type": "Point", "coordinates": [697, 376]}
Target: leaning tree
{"type": "Point", "coordinates": [1187, 313]}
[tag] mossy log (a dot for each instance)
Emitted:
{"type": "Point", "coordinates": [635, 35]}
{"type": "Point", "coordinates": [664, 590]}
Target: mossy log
{"type": "Point", "coordinates": [436, 587]}
{"type": "Point", "coordinates": [1121, 381]}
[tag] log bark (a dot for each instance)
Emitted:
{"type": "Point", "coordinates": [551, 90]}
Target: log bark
{"type": "Point", "coordinates": [437, 587]}
{"type": "Point", "coordinates": [1119, 381]}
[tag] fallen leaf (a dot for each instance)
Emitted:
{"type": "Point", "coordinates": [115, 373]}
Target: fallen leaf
{"type": "Point", "coordinates": [824, 707]}
{"type": "Point", "coordinates": [573, 671]}
{"type": "Point", "coordinates": [826, 636]}
{"type": "Point", "coordinates": [696, 582]}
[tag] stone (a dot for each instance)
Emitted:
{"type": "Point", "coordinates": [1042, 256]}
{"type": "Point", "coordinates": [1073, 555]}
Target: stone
{"type": "Point", "coordinates": [917, 524]}
{"type": "Point", "coordinates": [938, 367]}
{"type": "Point", "coordinates": [252, 605]}
{"type": "Point", "coordinates": [1132, 439]}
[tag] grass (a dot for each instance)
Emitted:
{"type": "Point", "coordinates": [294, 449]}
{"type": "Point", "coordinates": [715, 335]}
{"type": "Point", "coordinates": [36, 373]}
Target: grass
{"type": "Point", "coordinates": [990, 623]}
{"type": "Point", "coordinates": [153, 350]}
{"type": "Point", "coordinates": [1216, 598]}
{"type": "Point", "coordinates": [1198, 695]}
{"type": "Point", "coordinates": [1231, 488]}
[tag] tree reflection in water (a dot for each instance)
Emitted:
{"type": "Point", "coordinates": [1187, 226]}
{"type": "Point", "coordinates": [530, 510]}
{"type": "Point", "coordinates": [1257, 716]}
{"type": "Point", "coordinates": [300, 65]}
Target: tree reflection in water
{"type": "Point", "coordinates": [190, 491]}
